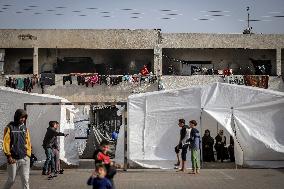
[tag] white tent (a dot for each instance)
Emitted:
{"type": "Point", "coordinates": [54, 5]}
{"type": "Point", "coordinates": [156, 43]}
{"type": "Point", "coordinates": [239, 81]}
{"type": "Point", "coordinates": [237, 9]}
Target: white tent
{"type": "Point", "coordinates": [38, 118]}
{"type": "Point", "coordinates": [253, 116]}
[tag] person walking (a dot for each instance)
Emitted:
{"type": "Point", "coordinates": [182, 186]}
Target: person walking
{"type": "Point", "coordinates": [17, 148]}
{"type": "Point", "coordinates": [195, 146]}
{"type": "Point", "coordinates": [48, 142]}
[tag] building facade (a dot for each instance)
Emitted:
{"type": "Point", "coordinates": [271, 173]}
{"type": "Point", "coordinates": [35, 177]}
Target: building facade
{"type": "Point", "coordinates": [169, 56]}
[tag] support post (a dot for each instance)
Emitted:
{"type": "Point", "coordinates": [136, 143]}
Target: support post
{"type": "Point", "coordinates": [158, 63]}
{"type": "Point", "coordinates": [35, 61]}
{"type": "Point", "coordinates": [124, 119]}
{"type": "Point", "coordinates": [158, 58]}
{"type": "Point", "coordinates": [279, 62]}
{"type": "Point", "coordinates": [234, 129]}
{"type": "Point", "coordinates": [201, 152]}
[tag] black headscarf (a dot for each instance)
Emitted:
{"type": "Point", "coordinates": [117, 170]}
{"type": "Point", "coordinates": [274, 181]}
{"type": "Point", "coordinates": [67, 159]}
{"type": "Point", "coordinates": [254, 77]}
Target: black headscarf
{"type": "Point", "coordinates": [206, 140]}
{"type": "Point", "coordinates": [19, 114]}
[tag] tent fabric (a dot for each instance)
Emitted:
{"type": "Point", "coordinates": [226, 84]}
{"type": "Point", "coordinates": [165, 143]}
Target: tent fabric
{"type": "Point", "coordinates": [38, 118]}
{"type": "Point", "coordinates": [253, 116]}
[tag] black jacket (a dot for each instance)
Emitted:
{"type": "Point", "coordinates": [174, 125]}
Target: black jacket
{"type": "Point", "coordinates": [50, 137]}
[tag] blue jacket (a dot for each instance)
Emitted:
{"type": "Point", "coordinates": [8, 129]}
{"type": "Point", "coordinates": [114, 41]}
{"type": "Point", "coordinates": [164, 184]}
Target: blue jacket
{"type": "Point", "coordinates": [195, 139]}
{"type": "Point", "coordinates": [99, 183]}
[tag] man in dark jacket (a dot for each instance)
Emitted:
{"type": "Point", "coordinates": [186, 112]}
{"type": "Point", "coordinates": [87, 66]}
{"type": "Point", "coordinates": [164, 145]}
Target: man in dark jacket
{"type": "Point", "coordinates": [17, 148]}
{"type": "Point", "coordinates": [48, 142]}
{"type": "Point", "coordinates": [183, 144]}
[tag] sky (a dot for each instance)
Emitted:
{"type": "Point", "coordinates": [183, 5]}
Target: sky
{"type": "Point", "coordinates": [179, 16]}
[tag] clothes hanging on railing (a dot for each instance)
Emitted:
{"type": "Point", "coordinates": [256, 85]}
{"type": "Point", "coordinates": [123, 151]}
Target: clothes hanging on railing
{"type": "Point", "coordinates": [109, 80]}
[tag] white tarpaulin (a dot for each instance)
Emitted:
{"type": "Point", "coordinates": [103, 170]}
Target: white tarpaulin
{"type": "Point", "coordinates": [256, 115]}
{"type": "Point", "coordinates": [38, 119]}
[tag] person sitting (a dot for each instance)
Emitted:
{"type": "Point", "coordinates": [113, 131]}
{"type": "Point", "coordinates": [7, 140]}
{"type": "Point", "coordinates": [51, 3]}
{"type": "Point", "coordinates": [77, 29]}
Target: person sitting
{"type": "Point", "coordinates": [207, 147]}
{"type": "Point", "coordinates": [101, 156]}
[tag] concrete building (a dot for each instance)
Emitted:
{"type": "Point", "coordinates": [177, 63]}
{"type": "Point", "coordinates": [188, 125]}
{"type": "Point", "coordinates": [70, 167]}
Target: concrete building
{"type": "Point", "coordinates": [26, 52]}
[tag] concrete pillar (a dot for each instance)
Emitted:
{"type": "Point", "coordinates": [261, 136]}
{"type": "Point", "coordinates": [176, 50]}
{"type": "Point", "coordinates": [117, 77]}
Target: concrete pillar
{"type": "Point", "coordinates": [278, 62]}
{"type": "Point", "coordinates": [35, 61]}
{"type": "Point", "coordinates": [2, 59]}
{"type": "Point", "coordinates": [158, 57]}
{"type": "Point", "coordinates": [282, 63]}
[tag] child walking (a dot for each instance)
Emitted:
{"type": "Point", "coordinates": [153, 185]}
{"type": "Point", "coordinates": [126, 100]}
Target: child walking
{"type": "Point", "coordinates": [101, 156]}
{"type": "Point", "coordinates": [98, 180]}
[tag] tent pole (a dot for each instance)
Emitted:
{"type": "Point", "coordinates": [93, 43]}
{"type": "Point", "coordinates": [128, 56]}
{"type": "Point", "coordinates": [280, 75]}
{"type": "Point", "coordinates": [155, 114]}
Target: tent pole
{"type": "Point", "coordinates": [201, 153]}
{"type": "Point", "coordinates": [124, 119]}
{"type": "Point", "coordinates": [234, 129]}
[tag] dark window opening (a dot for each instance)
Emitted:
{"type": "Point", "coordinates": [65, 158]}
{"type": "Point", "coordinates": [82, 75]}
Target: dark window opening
{"type": "Point", "coordinates": [75, 65]}
{"type": "Point", "coordinates": [26, 66]}
{"type": "Point", "coordinates": [262, 67]}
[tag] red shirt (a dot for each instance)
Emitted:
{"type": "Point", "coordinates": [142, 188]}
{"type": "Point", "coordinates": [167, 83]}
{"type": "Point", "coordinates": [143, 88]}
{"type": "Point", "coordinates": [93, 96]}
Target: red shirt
{"type": "Point", "coordinates": [103, 157]}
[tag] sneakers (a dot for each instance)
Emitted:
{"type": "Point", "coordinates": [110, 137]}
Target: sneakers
{"type": "Point", "coordinates": [61, 171]}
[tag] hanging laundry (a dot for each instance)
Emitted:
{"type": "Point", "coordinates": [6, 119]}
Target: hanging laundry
{"type": "Point", "coordinates": [67, 78]}
{"type": "Point", "coordinates": [20, 84]}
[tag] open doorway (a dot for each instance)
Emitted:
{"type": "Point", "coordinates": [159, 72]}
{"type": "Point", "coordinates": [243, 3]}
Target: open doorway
{"type": "Point", "coordinates": [95, 123]}
{"type": "Point", "coordinates": [218, 145]}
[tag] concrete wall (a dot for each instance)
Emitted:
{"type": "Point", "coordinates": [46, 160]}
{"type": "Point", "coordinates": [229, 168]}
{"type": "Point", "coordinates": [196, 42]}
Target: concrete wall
{"type": "Point", "coordinates": [197, 40]}
{"type": "Point", "coordinates": [176, 82]}
{"type": "Point", "coordinates": [220, 58]}
{"type": "Point", "coordinates": [78, 38]}
{"type": "Point", "coordinates": [133, 39]}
